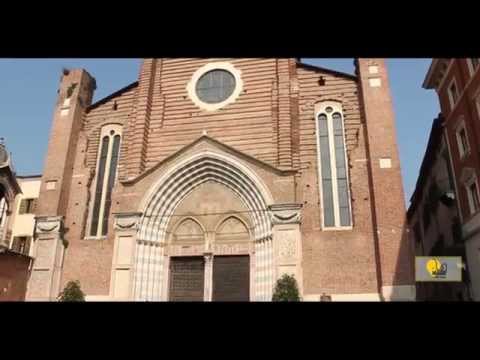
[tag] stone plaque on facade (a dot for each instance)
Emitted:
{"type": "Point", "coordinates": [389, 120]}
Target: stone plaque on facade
{"type": "Point", "coordinates": [287, 247]}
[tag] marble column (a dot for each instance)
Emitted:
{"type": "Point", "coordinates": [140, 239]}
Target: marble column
{"type": "Point", "coordinates": [208, 293]}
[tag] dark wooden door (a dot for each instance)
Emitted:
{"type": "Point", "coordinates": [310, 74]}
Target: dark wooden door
{"type": "Point", "coordinates": [231, 278]}
{"type": "Point", "coordinates": [187, 276]}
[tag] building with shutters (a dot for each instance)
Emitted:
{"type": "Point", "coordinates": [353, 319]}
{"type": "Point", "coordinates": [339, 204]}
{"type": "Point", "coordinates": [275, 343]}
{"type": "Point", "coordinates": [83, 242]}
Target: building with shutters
{"type": "Point", "coordinates": [14, 265]}
{"type": "Point", "coordinates": [23, 215]}
{"type": "Point", "coordinates": [457, 84]}
{"type": "Point", "coordinates": [9, 189]}
{"type": "Point", "coordinates": [207, 179]}
{"type": "Point", "coordinates": [433, 218]}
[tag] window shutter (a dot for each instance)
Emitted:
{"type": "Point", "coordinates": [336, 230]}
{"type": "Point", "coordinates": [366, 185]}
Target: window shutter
{"type": "Point", "coordinates": [23, 207]}
{"type": "Point", "coordinates": [28, 241]}
{"type": "Point", "coordinates": [16, 244]}
{"type": "Point", "coordinates": [34, 206]}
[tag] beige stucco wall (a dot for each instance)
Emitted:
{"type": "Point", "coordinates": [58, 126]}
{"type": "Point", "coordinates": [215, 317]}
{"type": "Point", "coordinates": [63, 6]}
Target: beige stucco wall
{"type": "Point", "coordinates": [23, 225]}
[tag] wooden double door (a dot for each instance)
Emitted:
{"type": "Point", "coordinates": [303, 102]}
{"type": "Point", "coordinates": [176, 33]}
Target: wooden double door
{"type": "Point", "coordinates": [230, 279]}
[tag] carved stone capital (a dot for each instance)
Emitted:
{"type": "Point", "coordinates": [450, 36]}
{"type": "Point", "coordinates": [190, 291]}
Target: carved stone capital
{"type": "Point", "coordinates": [127, 221]}
{"type": "Point", "coordinates": [208, 256]}
{"type": "Point", "coordinates": [48, 224]}
{"type": "Point", "coordinates": [286, 213]}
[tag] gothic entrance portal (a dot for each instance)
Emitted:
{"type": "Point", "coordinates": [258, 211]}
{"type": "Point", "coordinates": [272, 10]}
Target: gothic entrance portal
{"type": "Point", "coordinates": [205, 234]}
{"type": "Point", "coordinates": [209, 247]}
{"type": "Point", "coordinates": [207, 220]}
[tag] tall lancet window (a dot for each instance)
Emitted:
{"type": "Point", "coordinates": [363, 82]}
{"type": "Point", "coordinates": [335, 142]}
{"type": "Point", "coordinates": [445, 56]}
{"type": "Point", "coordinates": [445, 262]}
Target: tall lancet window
{"type": "Point", "coordinates": [332, 167]}
{"type": "Point", "coordinates": [107, 162]}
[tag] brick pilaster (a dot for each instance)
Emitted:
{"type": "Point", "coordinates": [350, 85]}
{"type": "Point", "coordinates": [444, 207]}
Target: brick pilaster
{"type": "Point", "coordinates": [138, 128]}
{"type": "Point", "coordinates": [395, 256]}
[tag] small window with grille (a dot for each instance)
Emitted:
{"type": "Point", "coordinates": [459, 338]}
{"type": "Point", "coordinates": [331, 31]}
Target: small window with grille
{"type": "Point", "coordinates": [27, 206]}
{"type": "Point", "coordinates": [21, 244]}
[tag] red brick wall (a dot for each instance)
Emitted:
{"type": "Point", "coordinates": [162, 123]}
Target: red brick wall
{"type": "Point", "coordinates": [394, 251]}
{"type": "Point", "coordinates": [469, 89]}
{"type": "Point", "coordinates": [13, 276]}
{"type": "Point", "coordinates": [332, 259]}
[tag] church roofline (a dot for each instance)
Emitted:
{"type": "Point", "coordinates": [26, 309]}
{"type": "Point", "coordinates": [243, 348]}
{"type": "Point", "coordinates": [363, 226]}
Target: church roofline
{"type": "Point", "coordinates": [435, 73]}
{"type": "Point", "coordinates": [219, 144]}
{"type": "Point", "coordinates": [329, 71]}
{"type": "Point", "coordinates": [111, 96]}
{"type": "Point", "coordinates": [299, 63]}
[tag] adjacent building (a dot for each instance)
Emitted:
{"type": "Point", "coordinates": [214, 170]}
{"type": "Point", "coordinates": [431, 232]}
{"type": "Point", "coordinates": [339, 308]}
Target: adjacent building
{"type": "Point", "coordinates": [457, 83]}
{"type": "Point", "coordinates": [207, 179]}
{"type": "Point", "coordinates": [23, 215]}
{"type": "Point", "coordinates": [433, 217]}
{"type": "Point", "coordinates": [14, 264]}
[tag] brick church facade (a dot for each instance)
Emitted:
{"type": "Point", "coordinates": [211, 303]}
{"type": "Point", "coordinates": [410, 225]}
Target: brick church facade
{"type": "Point", "coordinates": [207, 179]}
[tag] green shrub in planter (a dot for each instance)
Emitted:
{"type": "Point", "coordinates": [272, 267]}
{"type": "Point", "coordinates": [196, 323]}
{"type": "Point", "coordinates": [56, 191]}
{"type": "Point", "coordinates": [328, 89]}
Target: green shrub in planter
{"type": "Point", "coordinates": [72, 292]}
{"type": "Point", "coordinates": [286, 289]}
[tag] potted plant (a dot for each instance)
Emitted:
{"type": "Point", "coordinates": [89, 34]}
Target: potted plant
{"type": "Point", "coordinates": [286, 289]}
{"type": "Point", "coordinates": [72, 292]}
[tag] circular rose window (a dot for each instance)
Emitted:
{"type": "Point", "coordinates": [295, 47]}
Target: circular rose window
{"type": "Point", "coordinates": [215, 86]}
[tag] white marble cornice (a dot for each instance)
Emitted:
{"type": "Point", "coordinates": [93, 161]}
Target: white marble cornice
{"type": "Point", "coordinates": [49, 224]}
{"type": "Point", "coordinates": [286, 213]}
{"type": "Point", "coordinates": [127, 221]}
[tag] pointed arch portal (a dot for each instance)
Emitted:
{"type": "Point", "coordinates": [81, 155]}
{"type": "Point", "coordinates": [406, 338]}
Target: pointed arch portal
{"type": "Point", "coordinates": [152, 259]}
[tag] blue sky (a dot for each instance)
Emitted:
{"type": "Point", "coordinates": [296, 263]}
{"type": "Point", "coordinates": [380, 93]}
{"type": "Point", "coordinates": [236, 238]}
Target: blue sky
{"type": "Point", "coordinates": [28, 90]}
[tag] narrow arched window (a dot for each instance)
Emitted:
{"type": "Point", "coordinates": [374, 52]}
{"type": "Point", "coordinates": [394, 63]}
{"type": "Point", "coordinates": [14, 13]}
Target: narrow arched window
{"type": "Point", "coordinates": [105, 180]}
{"type": "Point", "coordinates": [332, 167]}
{"type": "Point", "coordinates": [111, 181]}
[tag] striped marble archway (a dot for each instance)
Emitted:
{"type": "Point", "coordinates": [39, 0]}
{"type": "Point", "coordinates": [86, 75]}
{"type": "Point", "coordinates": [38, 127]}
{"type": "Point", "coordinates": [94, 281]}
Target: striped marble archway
{"type": "Point", "coordinates": [150, 269]}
